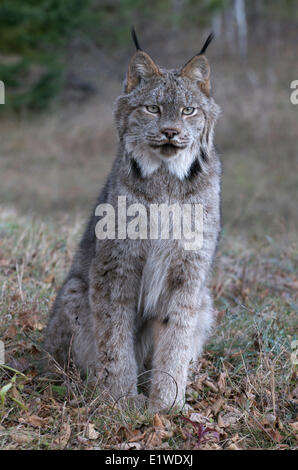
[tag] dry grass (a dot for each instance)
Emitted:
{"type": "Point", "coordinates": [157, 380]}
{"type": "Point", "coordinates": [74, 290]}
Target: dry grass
{"type": "Point", "coordinates": [242, 393]}
{"type": "Point", "coordinates": [57, 162]}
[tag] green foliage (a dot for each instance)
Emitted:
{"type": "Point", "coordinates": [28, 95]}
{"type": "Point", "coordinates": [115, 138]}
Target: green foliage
{"type": "Point", "coordinates": [34, 34]}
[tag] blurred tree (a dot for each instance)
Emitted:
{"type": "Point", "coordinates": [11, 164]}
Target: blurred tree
{"type": "Point", "coordinates": [240, 15]}
{"type": "Point", "coordinates": [33, 38]}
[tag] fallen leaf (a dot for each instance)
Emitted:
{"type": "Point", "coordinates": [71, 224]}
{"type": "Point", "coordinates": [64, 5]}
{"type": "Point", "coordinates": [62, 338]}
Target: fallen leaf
{"type": "Point", "coordinates": [166, 423]}
{"type": "Point", "coordinates": [22, 437]}
{"type": "Point", "coordinates": [129, 446]}
{"type": "Point", "coordinates": [50, 279]}
{"type": "Point", "coordinates": [28, 320]}
{"type": "Point", "coordinates": [221, 383]}
{"type": "Point", "coordinates": [34, 420]}
{"type": "Point", "coordinates": [232, 446]}
{"type": "Point", "coordinates": [138, 437]}
{"type": "Point", "coordinates": [294, 426]}
{"type": "Point", "coordinates": [91, 433]}
{"type": "Point", "coordinates": [157, 421]}
{"type": "Point", "coordinates": [155, 437]}
{"type": "Point", "coordinates": [220, 421]}
{"type": "Point", "coordinates": [198, 384]}
{"type": "Point", "coordinates": [10, 332]}
{"type": "Point", "coordinates": [216, 407]}
{"type": "Point", "coordinates": [269, 420]}
{"type": "Point", "coordinates": [165, 434]}
{"type": "Point", "coordinates": [220, 314]}
{"type": "Point", "coordinates": [211, 385]}
{"type": "Point", "coordinates": [64, 436]}
{"type": "Point", "coordinates": [198, 418]}
{"type": "Point", "coordinates": [210, 445]}
{"type": "Point", "coordinates": [228, 419]}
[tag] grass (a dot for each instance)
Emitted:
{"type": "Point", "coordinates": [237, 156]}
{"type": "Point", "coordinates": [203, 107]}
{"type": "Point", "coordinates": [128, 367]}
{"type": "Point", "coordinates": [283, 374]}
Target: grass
{"type": "Point", "coordinates": [241, 395]}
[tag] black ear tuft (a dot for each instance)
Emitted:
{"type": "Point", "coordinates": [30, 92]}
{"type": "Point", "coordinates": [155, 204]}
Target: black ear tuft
{"type": "Point", "coordinates": [135, 39]}
{"type": "Point", "coordinates": [208, 40]}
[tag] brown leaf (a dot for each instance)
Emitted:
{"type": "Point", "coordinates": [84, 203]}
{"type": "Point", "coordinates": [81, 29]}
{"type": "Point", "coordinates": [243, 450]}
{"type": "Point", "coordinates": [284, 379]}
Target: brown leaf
{"type": "Point", "coordinates": [50, 279]}
{"type": "Point", "coordinates": [64, 436]}
{"type": "Point", "coordinates": [269, 420]}
{"type": "Point", "coordinates": [165, 434]}
{"type": "Point", "coordinates": [138, 437]}
{"type": "Point", "coordinates": [153, 439]}
{"type": "Point", "coordinates": [10, 332]}
{"type": "Point", "coordinates": [198, 384]}
{"type": "Point", "coordinates": [198, 418]}
{"type": "Point", "coordinates": [211, 385]}
{"type": "Point", "coordinates": [34, 420]}
{"type": "Point", "coordinates": [157, 421]}
{"type": "Point", "coordinates": [15, 393]}
{"type": "Point", "coordinates": [220, 422]}
{"type": "Point", "coordinates": [294, 426]}
{"type": "Point", "coordinates": [232, 446]}
{"type": "Point", "coordinates": [276, 436]}
{"type": "Point", "coordinates": [221, 383]}
{"type": "Point", "coordinates": [28, 320]}
{"type": "Point", "coordinates": [216, 407]}
{"type": "Point", "coordinates": [91, 433]}
{"type": "Point", "coordinates": [166, 423]}
{"type": "Point", "coordinates": [230, 418]}
{"type": "Point", "coordinates": [156, 436]}
{"type": "Point", "coordinates": [129, 446]}
{"type": "Point", "coordinates": [22, 437]}
{"type": "Point", "coordinates": [221, 313]}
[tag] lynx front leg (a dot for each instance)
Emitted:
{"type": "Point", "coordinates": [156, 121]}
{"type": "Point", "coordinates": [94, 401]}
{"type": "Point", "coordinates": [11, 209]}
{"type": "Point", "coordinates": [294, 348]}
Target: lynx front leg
{"type": "Point", "coordinates": [113, 294]}
{"type": "Point", "coordinates": [174, 330]}
{"type": "Point", "coordinates": [173, 349]}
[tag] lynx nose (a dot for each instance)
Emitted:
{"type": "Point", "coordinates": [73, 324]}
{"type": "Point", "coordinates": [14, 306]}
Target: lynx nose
{"type": "Point", "coordinates": [170, 133]}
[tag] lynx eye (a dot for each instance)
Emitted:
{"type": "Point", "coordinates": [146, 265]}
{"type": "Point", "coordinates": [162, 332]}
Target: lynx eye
{"type": "Point", "coordinates": [188, 111]}
{"type": "Point", "coordinates": [152, 109]}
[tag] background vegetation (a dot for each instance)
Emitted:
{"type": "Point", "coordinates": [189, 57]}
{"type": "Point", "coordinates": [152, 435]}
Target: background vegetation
{"type": "Point", "coordinates": [63, 63]}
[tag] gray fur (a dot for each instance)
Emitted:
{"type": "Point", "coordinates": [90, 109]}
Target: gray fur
{"type": "Point", "coordinates": [129, 305]}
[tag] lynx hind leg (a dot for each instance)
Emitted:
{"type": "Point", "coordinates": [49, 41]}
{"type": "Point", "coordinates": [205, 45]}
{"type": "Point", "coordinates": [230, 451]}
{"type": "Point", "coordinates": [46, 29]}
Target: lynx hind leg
{"type": "Point", "coordinates": [69, 331]}
{"type": "Point", "coordinates": [205, 320]}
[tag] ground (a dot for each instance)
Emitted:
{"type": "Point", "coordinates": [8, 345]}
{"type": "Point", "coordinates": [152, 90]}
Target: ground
{"type": "Point", "coordinates": [241, 395]}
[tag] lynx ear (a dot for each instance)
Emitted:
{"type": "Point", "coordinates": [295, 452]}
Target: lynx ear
{"type": "Point", "coordinates": [141, 67]}
{"type": "Point", "coordinates": [197, 69]}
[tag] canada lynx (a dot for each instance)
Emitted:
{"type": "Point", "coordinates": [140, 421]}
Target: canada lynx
{"type": "Point", "coordinates": [134, 304]}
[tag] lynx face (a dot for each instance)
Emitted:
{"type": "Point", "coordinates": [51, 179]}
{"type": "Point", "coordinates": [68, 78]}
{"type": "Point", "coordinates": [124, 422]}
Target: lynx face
{"type": "Point", "coordinates": [165, 116]}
